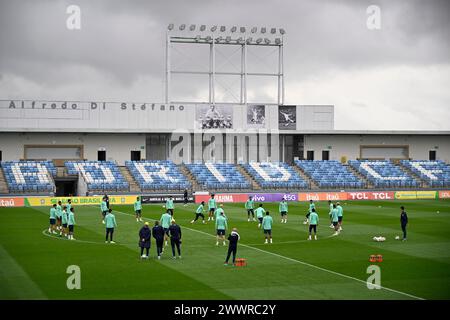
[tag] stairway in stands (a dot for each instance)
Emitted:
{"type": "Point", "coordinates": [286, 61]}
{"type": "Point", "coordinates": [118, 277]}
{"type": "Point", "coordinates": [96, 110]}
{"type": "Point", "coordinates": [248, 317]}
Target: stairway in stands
{"type": "Point", "coordinates": [185, 171]}
{"type": "Point", "coordinates": [408, 171]}
{"type": "Point", "coordinates": [248, 177]}
{"type": "Point", "coordinates": [360, 176]}
{"type": "Point", "coordinates": [3, 185]}
{"type": "Point", "coordinates": [134, 186]}
{"type": "Point", "coordinates": [312, 184]}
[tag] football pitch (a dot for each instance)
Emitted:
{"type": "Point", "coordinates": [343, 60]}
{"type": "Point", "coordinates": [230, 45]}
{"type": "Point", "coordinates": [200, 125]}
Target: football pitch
{"type": "Point", "coordinates": [34, 263]}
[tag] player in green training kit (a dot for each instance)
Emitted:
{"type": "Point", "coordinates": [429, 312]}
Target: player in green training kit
{"type": "Point", "coordinates": [283, 209]}
{"type": "Point", "coordinates": [110, 223]}
{"type": "Point", "coordinates": [199, 212]}
{"type": "Point", "coordinates": [165, 220]}
{"type": "Point", "coordinates": [58, 216]}
{"type": "Point", "coordinates": [221, 227]}
{"type": "Point", "coordinates": [52, 227]}
{"type": "Point", "coordinates": [104, 209]}
{"type": "Point", "coordinates": [330, 204]}
{"type": "Point", "coordinates": [64, 220]}
{"type": "Point", "coordinates": [138, 209]}
{"type": "Point", "coordinates": [71, 223]}
{"type": "Point", "coordinates": [220, 211]}
{"type": "Point", "coordinates": [335, 220]}
{"type": "Point", "coordinates": [313, 223]}
{"type": "Point", "coordinates": [311, 206]}
{"type": "Point", "coordinates": [340, 215]}
{"type": "Point", "coordinates": [249, 205]}
{"type": "Point", "coordinates": [212, 205]}
{"type": "Point", "coordinates": [68, 206]}
{"type": "Point", "coordinates": [267, 227]}
{"type": "Point", "coordinates": [260, 212]}
{"type": "Point", "coordinates": [169, 205]}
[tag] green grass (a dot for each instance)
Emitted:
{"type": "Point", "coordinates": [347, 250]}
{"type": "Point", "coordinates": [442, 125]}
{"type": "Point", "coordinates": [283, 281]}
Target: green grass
{"type": "Point", "coordinates": [33, 264]}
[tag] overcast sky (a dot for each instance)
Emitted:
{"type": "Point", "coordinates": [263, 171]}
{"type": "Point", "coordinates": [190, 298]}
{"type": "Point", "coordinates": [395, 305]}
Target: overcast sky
{"type": "Point", "coordinates": [397, 77]}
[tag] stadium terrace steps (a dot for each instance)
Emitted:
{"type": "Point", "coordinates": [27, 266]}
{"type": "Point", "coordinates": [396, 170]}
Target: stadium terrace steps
{"type": "Point", "coordinates": [434, 173]}
{"type": "Point", "coordinates": [32, 177]}
{"type": "Point", "coordinates": [100, 176]}
{"type": "Point", "coordinates": [275, 175]}
{"type": "Point", "coordinates": [311, 182]}
{"type": "Point", "coordinates": [218, 176]}
{"type": "Point", "coordinates": [384, 174]}
{"type": "Point", "coordinates": [158, 175]}
{"type": "Point", "coordinates": [405, 169]}
{"type": "Point", "coordinates": [360, 176]}
{"type": "Point", "coordinates": [255, 185]}
{"type": "Point", "coordinates": [3, 185]}
{"type": "Point", "coordinates": [185, 171]}
{"type": "Point", "coordinates": [61, 173]}
{"type": "Point", "coordinates": [134, 187]}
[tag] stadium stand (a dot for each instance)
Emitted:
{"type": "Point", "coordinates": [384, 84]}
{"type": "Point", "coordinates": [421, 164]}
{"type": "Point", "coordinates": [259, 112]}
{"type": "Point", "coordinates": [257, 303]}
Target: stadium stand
{"type": "Point", "coordinates": [275, 175]}
{"type": "Point", "coordinates": [99, 175]}
{"type": "Point", "coordinates": [329, 174]}
{"type": "Point", "coordinates": [218, 176]}
{"type": "Point", "coordinates": [435, 173]}
{"type": "Point", "coordinates": [383, 173]}
{"type": "Point", "coordinates": [29, 176]}
{"type": "Point", "coordinates": [157, 175]}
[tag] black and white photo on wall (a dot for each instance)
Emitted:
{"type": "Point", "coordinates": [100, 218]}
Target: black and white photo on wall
{"type": "Point", "coordinates": [287, 117]}
{"type": "Point", "coordinates": [214, 117]}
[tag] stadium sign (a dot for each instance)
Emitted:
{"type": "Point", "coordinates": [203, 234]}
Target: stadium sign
{"type": "Point", "coordinates": [161, 198]}
{"type": "Point", "coordinates": [444, 194]}
{"type": "Point", "coordinates": [78, 105]}
{"type": "Point", "coordinates": [78, 201]}
{"type": "Point", "coordinates": [11, 202]}
{"type": "Point", "coordinates": [322, 196]}
{"type": "Point", "coordinates": [371, 195]}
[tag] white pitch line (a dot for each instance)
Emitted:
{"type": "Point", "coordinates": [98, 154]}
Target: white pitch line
{"type": "Point", "coordinates": [301, 262]}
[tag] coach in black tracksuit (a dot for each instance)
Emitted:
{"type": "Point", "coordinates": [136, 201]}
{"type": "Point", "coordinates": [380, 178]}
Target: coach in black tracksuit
{"type": "Point", "coordinates": [175, 238]}
{"type": "Point", "coordinates": [403, 221]}
{"type": "Point", "coordinates": [233, 239]}
{"type": "Point", "coordinates": [145, 235]}
{"type": "Point", "coordinates": [185, 196]}
{"type": "Point", "coordinates": [158, 234]}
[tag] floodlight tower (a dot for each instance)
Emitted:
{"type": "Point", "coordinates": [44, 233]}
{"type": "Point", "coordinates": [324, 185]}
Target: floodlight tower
{"type": "Point", "coordinates": [215, 37]}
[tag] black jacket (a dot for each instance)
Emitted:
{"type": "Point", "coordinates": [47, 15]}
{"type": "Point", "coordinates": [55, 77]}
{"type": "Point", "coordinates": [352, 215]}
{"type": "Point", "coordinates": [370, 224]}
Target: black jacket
{"type": "Point", "coordinates": [158, 232]}
{"type": "Point", "coordinates": [233, 239]}
{"type": "Point", "coordinates": [175, 232]}
{"type": "Point", "coordinates": [403, 218]}
{"type": "Point", "coordinates": [146, 234]}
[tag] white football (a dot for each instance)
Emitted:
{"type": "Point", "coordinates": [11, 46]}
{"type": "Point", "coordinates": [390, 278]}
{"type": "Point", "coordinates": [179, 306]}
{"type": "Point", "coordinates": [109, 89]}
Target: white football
{"type": "Point", "coordinates": [397, 237]}
{"type": "Point", "coordinates": [437, 211]}
{"type": "Point", "coordinates": [164, 205]}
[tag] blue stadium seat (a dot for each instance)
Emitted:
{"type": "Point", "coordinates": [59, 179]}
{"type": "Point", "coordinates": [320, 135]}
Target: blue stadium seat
{"type": "Point", "coordinates": [157, 175]}
{"type": "Point", "coordinates": [29, 176]}
{"type": "Point", "coordinates": [100, 176]}
{"type": "Point", "coordinates": [275, 175]}
{"type": "Point", "coordinates": [329, 174]}
{"type": "Point", "coordinates": [218, 176]}
{"type": "Point", "coordinates": [435, 173]}
{"type": "Point", "coordinates": [384, 174]}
